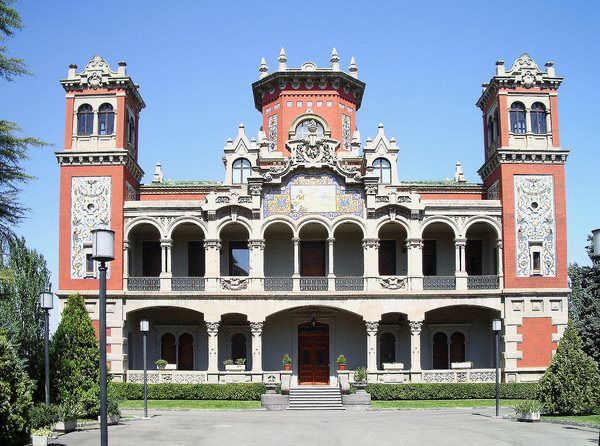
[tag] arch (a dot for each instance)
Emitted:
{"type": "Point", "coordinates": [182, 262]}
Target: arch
{"type": "Point", "coordinates": [348, 219]}
{"type": "Point", "coordinates": [517, 117]}
{"type": "Point", "coordinates": [439, 219]}
{"type": "Point", "coordinates": [229, 221]}
{"type": "Point", "coordinates": [383, 168]}
{"type": "Point", "coordinates": [291, 306]}
{"type": "Point", "coordinates": [305, 116]}
{"type": "Point", "coordinates": [241, 170]}
{"type": "Point", "coordinates": [139, 221]}
{"type": "Point", "coordinates": [316, 220]}
{"type": "Point", "coordinates": [85, 120]}
{"type": "Point", "coordinates": [186, 219]}
{"type": "Point", "coordinates": [538, 118]}
{"type": "Point", "coordinates": [106, 119]}
{"type": "Point", "coordinates": [479, 305]}
{"type": "Point", "coordinates": [482, 219]}
{"type": "Point", "coordinates": [397, 221]}
{"type": "Point", "coordinates": [277, 219]}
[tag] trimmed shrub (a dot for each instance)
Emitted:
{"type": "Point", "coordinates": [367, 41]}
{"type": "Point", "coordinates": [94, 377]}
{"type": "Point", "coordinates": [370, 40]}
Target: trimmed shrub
{"type": "Point", "coordinates": [238, 392]}
{"type": "Point", "coordinates": [571, 385]}
{"type": "Point", "coordinates": [15, 397]}
{"type": "Point", "coordinates": [75, 359]}
{"type": "Point", "coordinates": [41, 415]}
{"type": "Point", "coordinates": [451, 391]}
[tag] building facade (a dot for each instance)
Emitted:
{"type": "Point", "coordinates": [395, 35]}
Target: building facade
{"type": "Point", "coordinates": [313, 246]}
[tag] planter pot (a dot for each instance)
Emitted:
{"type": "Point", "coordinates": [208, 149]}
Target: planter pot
{"type": "Point", "coordinates": [235, 368]}
{"type": "Point", "coordinates": [360, 386]}
{"type": "Point", "coordinates": [287, 367]}
{"type": "Point", "coordinates": [112, 419]}
{"type": "Point", "coordinates": [529, 417]}
{"type": "Point", "coordinates": [66, 426]}
{"type": "Point", "coordinates": [462, 365]}
{"type": "Point", "coordinates": [341, 366]}
{"type": "Point", "coordinates": [37, 440]}
{"type": "Point", "coordinates": [393, 366]}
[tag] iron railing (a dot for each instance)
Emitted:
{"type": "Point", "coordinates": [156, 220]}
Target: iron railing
{"type": "Point", "coordinates": [279, 284]}
{"type": "Point", "coordinates": [439, 282]}
{"type": "Point", "coordinates": [354, 283]}
{"type": "Point", "coordinates": [143, 283]}
{"type": "Point", "coordinates": [483, 282]}
{"type": "Point", "coordinates": [187, 284]}
{"type": "Point", "coordinates": [313, 284]}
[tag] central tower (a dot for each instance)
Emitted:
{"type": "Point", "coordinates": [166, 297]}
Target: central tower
{"type": "Point", "coordinates": [290, 99]}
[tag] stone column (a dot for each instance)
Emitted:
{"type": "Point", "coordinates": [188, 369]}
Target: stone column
{"type": "Point", "coordinates": [212, 328]}
{"type": "Point", "coordinates": [500, 264]}
{"type": "Point", "coordinates": [415, 345]}
{"type": "Point", "coordinates": [372, 327]}
{"type": "Point", "coordinates": [371, 263]}
{"type": "Point", "coordinates": [257, 267]}
{"type": "Point", "coordinates": [296, 242]}
{"type": "Point", "coordinates": [256, 330]}
{"type": "Point", "coordinates": [165, 274]}
{"type": "Point", "coordinates": [414, 247]}
{"type": "Point", "coordinates": [460, 273]}
{"type": "Point", "coordinates": [212, 259]}
{"type": "Point", "coordinates": [125, 263]}
{"type": "Point", "coordinates": [330, 242]}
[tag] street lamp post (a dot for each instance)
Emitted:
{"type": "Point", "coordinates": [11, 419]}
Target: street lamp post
{"type": "Point", "coordinates": [46, 298]}
{"type": "Point", "coordinates": [144, 328]}
{"type": "Point", "coordinates": [497, 327]}
{"type": "Point", "coordinates": [103, 251]}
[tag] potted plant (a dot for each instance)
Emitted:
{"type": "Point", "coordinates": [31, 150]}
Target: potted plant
{"type": "Point", "coordinates": [393, 366]}
{"type": "Point", "coordinates": [39, 436]}
{"type": "Point", "coordinates": [239, 365]}
{"type": "Point", "coordinates": [287, 362]}
{"type": "Point", "coordinates": [360, 379]}
{"type": "Point", "coordinates": [67, 417]}
{"type": "Point", "coordinates": [161, 364]}
{"type": "Point", "coordinates": [113, 411]}
{"type": "Point", "coordinates": [341, 362]}
{"type": "Point", "coordinates": [529, 410]}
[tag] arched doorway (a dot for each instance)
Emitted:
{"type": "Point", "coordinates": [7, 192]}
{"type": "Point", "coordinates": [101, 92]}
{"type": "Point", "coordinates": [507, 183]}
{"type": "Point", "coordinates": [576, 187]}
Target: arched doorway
{"type": "Point", "coordinates": [313, 353]}
{"type": "Point", "coordinates": [185, 352]}
{"type": "Point", "coordinates": [387, 349]}
{"type": "Point", "coordinates": [440, 351]}
{"type": "Point", "coordinates": [457, 347]}
{"type": "Point", "coordinates": [238, 347]}
{"type": "Point", "coordinates": [168, 349]}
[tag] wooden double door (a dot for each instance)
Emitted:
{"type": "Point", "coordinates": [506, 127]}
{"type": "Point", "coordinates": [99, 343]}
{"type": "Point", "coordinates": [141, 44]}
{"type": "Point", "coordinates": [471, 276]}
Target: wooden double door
{"type": "Point", "coordinates": [313, 353]}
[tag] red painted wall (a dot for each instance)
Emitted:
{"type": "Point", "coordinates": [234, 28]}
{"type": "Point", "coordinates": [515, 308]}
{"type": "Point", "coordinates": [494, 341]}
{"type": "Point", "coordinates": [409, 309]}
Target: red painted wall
{"type": "Point", "coordinates": [537, 344]}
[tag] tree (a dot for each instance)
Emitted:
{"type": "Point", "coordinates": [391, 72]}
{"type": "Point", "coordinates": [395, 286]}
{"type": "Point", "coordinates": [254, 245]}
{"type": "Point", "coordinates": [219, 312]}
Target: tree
{"type": "Point", "coordinates": [585, 304]}
{"type": "Point", "coordinates": [20, 314]}
{"type": "Point", "coordinates": [75, 358]}
{"type": "Point", "coordinates": [571, 384]}
{"type": "Point", "coordinates": [15, 397]}
{"type": "Point", "coordinates": [13, 149]}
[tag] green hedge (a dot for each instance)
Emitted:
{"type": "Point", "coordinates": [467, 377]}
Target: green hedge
{"type": "Point", "coordinates": [239, 392]}
{"type": "Point", "coordinates": [451, 391]}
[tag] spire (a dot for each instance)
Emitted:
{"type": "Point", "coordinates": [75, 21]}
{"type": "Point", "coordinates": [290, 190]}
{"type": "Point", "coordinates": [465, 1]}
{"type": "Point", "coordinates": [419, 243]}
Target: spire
{"type": "Point", "coordinates": [158, 174]}
{"type": "Point", "coordinates": [263, 69]}
{"type": "Point", "coordinates": [459, 175]}
{"type": "Point", "coordinates": [353, 68]}
{"type": "Point", "coordinates": [335, 60]}
{"type": "Point", "coordinates": [282, 60]}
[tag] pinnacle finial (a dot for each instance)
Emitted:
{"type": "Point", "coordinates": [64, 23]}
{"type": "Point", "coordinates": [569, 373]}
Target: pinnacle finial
{"type": "Point", "coordinates": [353, 68]}
{"type": "Point", "coordinates": [335, 59]}
{"type": "Point", "coordinates": [282, 60]}
{"type": "Point", "coordinates": [263, 69]}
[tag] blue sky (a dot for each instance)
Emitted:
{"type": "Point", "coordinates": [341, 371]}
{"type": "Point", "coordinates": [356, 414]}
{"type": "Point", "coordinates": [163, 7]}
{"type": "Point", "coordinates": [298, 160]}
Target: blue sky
{"type": "Point", "coordinates": [423, 63]}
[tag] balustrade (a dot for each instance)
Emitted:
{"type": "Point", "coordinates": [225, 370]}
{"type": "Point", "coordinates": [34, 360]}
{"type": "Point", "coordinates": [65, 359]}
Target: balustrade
{"type": "Point", "coordinates": [436, 283]}
{"type": "Point", "coordinates": [187, 284]}
{"type": "Point", "coordinates": [483, 282]}
{"type": "Point", "coordinates": [143, 283]}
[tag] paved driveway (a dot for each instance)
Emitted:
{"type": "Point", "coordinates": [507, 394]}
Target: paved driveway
{"type": "Point", "coordinates": [462, 427]}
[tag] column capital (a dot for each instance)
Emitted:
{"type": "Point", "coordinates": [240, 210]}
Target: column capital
{"type": "Point", "coordinates": [166, 242]}
{"type": "Point", "coordinates": [415, 327]}
{"type": "Point", "coordinates": [212, 327]}
{"type": "Point", "coordinates": [460, 241]}
{"type": "Point", "coordinates": [372, 326]}
{"type": "Point", "coordinates": [330, 240]}
{"type": "Point", "coordinates": [212, 244]}
{"type": "Point", "coordinates": [296, 240]}
{"type": "Point", "coordinates": [125, 244]}
{"type": "Point", "coordinates": [256, 244]}
{"type": "Point", "coordinates": [499, 243]}
{"type": "Point", "coordinates": [370, 243]}
{"type": "Point", "coordinates": [256, 328]}
{"type": "Point", "coordinates": [414, 243]}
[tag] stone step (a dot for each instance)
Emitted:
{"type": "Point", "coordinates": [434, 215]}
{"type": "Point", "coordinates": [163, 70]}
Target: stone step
{"type": "Point", "coordinates": [315, 398]}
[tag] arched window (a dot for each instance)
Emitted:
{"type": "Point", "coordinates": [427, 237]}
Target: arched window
{"type": "Point", "coordinates": [517, 118]}
{"type": "Point", "coordinates": [496, 125]}
{"type": "Point", "coordinates": [457, 347]}
{"type": "Point", "coordinates": [440, 351]}
{"type": "Point", "coordinates": [106, 119]}
{"type": "Point", "coordinates": [538, 118]}
{"type": "Point", "coordinates": [383, 170]}
{"type": "Point", "coordinates": [167, 348]}
{"type": "Point", "coordinates": [307, 127]}
{"type": "Point", "coordinates": [130, 129]}
{"type": "Point", "coordinates": [241, 171]}
{"type": "Point", "coordinates": [238, 346]}
{"type": "Point", "coordinates": [85, 120]}
{"type": "Point", "coordinates": [185, 352]}
{"type": "Point", "coordinates": [490, 131]}
{"type": "Point", "coordinates": [387, 349]}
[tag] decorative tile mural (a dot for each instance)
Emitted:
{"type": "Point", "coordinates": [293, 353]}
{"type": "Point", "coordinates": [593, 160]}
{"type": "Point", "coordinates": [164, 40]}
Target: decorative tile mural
{"type": "Point", "coordinates": [90, 209]}
{"type": "Point", "coordinates": [346, 132]}
{"type": "Point", "coordinates": [320, 194]}
{"type": "Point", "coordinates": [493, 192]}
{"type": "Point", "coordinates": [273, 132]}
{"type": "Point", "coordinates": [535, 222]}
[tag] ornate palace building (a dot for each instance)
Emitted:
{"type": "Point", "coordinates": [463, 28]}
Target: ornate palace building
{"type": "Point", "coordinates": [313, 245]}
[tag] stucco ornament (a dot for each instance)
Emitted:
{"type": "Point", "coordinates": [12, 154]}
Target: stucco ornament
{"type": "Point", "coordinates": [535, 222]}
{"type": "Point", "coordinates": [94, 71]}
{"type": "Point", "coordinates": [415, 327]}
{"type": "Point", "coordinates": [90, 209]}
{"type": "Point", "coordinates": [234, 283]}
{"type": "Point", "coordinates": [393, 282]}
{"type": "Point", "coordinates": [273, 132]}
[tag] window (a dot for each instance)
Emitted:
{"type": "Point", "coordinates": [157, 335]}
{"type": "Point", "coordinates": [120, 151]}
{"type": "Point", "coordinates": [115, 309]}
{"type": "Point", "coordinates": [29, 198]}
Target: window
{"type": "Point", "coordinates": [490, 131]}
{"type": "Point", "coordinates": [538, 118]}
{"type": "Point", "coordinates": [195, 255]}
{"type": "Point", "coordinates": [298, 103]}
{"type": "Point", "coordinates": [429, 258]}
{"type": "Point", "coordinates": [239, 258]}
{"type": "Point", "coordinates": [167, 348]}
{"type": "Point", "coordinates": [185, 352]}
{"type": "Point", "coordinates": [329, 104]}
{"type": "Point", "coordinates": [238, 346]}
{"type": "Point", "coordinates": [387, 349]}
{"type": "Point", "coordinates": [517, 118]}
{"type": "Point", "coordinates": [496, 125]}
{"type": "Point", "coordinates": [319, 103]}
{"type": "Point", "coordinates": [383, 169]}
{"type": "Point", "coordinates": [474, 257]}
{"type": "Point", "coordinates": [309, 126]}
{"type": "Point", "coordinates": [457, 347]}
{"type": "Point", "coordinates": [89, 265]}
{"type": "Point", "coordinates": [312, 258]}
{"type": "Point", "coordinates": [131, 130]}
{"type": "Point", "coordinates": [151, 263]}
{"type": "Point", "coordinates": [535, 252]}
{"type": "Point", "coordinates": [387, 257]}
{"type": "Point", "coordinates": [85, 120]}
{"type": "Point", "coordinates": [440, 351]}
{"type": "Point", "coordinates": [241, 171]}
{"type": "Point", "coordinates": [106, 120]}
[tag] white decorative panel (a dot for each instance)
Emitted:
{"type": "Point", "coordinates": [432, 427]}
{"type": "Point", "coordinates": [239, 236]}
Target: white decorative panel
{"type": "Point", "coordinates": [535, 222]}
{"type": "Point", "coordinates": [90, 209]}
{"type": "Point", "coordinates": [346, 132]}
{"type": "Point", "coordinates": [273, 132]}
{"type": "Point", "coordinates": [493, 192]}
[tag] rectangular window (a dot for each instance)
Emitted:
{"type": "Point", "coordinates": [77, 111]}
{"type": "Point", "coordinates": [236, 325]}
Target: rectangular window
{"type": "Point", "coordinates": [288, 103]}
{"type": "Point", "coordinates": [89, 265]}
{"type": "Point", "coordinates": [329, 104]}
{"type": "Point", "coordinates": [387, 257]}
{"type": "Point", "coordinates": [473, 257]}
{"type": "Point", "coordinates": [312, 258]}
{"type": "Point", "coordinates": [151, 263]}
{"type": "Point", "coordinates": [268, 110]}
{"type": "Point", "coordinates": [276, 106]}
{"type": "Point", "coordinates": [195, 255]}
{"type": "Point", "coordinates": [309, 104]}
{"type": "Point", "coordinates": [299, 104]}
{"type": "Point", "coordinates": [319, 103]}
{"type": "Point", "coordinates": [341, 106]}
{"type": "Point", "coordinates": [239, 258]}
{"type": "Point", "coordinates": [429, 258]}
{"type": "Point", "coordinates": [535, 253]}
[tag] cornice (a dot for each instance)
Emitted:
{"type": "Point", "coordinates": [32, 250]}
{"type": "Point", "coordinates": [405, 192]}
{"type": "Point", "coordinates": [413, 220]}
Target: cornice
{"type": "Point", "coordinates": [511, 156]}
{"type": "Point", "coordinates": [101, 158]}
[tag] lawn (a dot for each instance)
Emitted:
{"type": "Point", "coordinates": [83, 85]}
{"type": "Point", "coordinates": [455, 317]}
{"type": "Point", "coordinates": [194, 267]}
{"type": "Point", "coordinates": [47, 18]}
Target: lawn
{"type": "Point", "coordinates": [438, 404]}
{"type": "Point", "coordinates": [592, 419]}
{"type": "Point", "coordinates": [190, 404]}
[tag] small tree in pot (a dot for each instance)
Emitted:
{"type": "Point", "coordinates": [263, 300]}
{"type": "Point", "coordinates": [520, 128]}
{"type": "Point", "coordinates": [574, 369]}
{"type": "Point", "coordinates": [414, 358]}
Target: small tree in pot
{"type": "Point", "coordinates": [341, 362]}
{"type": "Point", "coordinates": [360, 379]}
{"type": "Point", "coordinates": [287, 362]}
{"type": "Point", "coordinates": [161, 364]}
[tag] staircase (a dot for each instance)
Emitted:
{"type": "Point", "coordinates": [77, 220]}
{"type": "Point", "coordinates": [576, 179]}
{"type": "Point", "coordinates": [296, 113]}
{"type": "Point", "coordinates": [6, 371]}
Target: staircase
{"type": "Point", "coordinates": [315, 398]}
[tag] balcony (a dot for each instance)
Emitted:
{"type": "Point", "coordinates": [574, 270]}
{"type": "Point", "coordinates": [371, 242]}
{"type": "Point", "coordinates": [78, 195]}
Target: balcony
{"type": "Point", "coordinates": [143, 283]}
{"type": "Point", "coordinates": [349, 284]}
{"type": "Point", "coordinates": [187, 284]}
{"type": "Point", "coordinates": [483, 282]}
{"type": "Point", "coordinates": [279, 284]}
{"type": "Point", "coordinates": [439, 283]}
{"type": "Point", "coordinates": [313, 284]}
